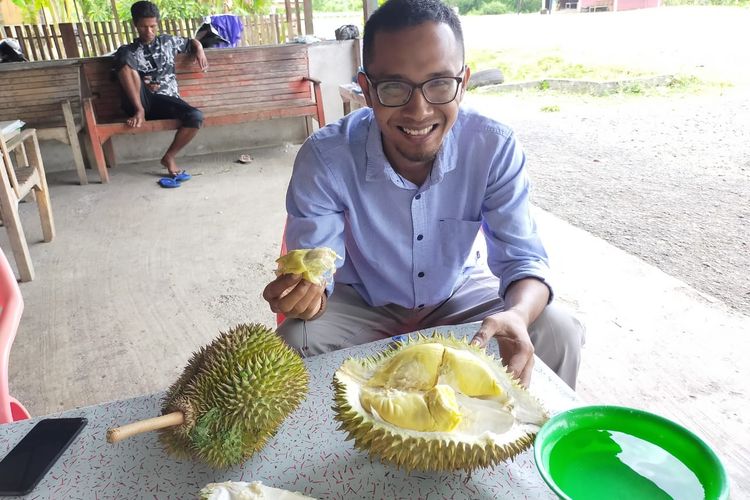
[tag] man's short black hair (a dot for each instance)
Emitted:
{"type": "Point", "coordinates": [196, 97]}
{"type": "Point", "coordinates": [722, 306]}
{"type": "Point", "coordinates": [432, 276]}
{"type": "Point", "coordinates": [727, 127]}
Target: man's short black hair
{"type": "Point", "coordinates": [143, 9]}
{"type": "Point", "coordinates": [396, 15]}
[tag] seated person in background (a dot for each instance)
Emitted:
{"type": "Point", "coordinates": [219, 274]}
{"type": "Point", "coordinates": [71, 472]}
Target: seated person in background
{"type": "Point", "coordinates": [146, 70]}
{"type": "Point", "coordinates": [401, 190]}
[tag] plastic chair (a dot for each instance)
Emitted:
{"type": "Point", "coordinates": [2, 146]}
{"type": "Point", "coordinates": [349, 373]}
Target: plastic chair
{"type": "Point", "coordinates": [11, 305]}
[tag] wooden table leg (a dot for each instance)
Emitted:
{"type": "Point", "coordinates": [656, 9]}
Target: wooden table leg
{"type": "Point", "coordinates": [12, 222]}
{"type": "Point", "coordinates": [45, 208]}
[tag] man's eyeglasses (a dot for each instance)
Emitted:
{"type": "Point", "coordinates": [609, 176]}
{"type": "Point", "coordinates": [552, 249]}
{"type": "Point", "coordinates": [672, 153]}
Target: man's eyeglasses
{"type": "Point", "coordinates": [395, 93]}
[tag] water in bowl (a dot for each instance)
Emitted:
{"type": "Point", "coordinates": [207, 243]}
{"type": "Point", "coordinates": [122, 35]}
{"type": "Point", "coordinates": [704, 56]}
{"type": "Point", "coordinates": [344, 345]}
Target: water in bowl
{"type": "Point", "coordinates": [596, 464]}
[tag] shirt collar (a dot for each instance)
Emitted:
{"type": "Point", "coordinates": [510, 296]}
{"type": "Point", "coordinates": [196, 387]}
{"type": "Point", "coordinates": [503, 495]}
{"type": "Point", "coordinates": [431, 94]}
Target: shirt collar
{"type": "Point", "coordinates": [378, 166]}
{"type": "Point", "coordinates": [147, 45]}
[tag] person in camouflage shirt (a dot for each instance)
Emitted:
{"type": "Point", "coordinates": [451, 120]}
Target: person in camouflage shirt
{"type": "Point", "coordinates": [146, 70]}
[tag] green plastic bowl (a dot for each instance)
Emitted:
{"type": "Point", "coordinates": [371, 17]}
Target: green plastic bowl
{"type": "Point", "coordinates": [596, 452]}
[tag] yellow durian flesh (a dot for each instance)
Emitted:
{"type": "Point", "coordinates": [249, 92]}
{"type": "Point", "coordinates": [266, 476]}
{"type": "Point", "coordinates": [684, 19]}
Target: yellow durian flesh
{"type": "Point", "coordinates": [463, 371]}
{"type": "Point", "coordinates": [416, 367]}
{"type": "Point", "coordinates": [441, 401]}
{"type": "Point", "coordinates": [434, 411]}
{"type": "Point", "coordinates": [473, 416]}
{"type": "Point", "coordinates": [316, 265]}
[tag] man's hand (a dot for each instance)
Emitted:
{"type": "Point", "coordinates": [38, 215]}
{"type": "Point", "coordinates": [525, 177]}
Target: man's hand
{"type": "Point", "coordinates": [294, 297]}
{"type": "Point", "coordinates": [137, 119]}
{"type": "Point", "coordinates": [516, 349]}
{"type": "Point", "coordinates": [200, 56]}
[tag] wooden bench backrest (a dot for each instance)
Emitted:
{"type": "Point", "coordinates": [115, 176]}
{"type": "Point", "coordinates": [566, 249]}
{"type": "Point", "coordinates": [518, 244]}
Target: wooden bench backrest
{"type": "Point", "coordinates": [239, 79]}
{"type": "Point", "coordinates": [33, 92]}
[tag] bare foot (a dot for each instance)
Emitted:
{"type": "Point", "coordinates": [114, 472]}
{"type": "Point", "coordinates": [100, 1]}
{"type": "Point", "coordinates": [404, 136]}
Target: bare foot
{"type": "Point", "coordinates": [137, 119]}
{"type": "Point", "coordinates": [170, 164]}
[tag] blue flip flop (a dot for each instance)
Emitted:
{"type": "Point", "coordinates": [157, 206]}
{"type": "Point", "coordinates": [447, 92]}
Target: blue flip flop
{"type": "Point", "coordinates": [168, 182]}
{"type": "Point", "coordinates": [182, 176]}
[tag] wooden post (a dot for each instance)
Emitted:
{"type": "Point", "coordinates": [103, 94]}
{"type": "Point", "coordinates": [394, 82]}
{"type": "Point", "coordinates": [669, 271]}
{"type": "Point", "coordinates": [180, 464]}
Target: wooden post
{"type": "Point", "coordinates": [298, 17]}
{"type": "Point", "coordinates": [289, 27]}
{"type": "Point", "coordinates": [277, 29]}
{"type": "Point", "coordinates": [369, 7]}
{"type": "Point", "coordinates": [82, 38]}
{"type": "Point", "coordinates": [307, 4]}
{"type": "Point", "coordinates": [115, 15]}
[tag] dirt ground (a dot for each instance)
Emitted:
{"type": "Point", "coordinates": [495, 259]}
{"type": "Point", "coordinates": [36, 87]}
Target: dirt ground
{"type": "Point", "coordinates": [665, 179]}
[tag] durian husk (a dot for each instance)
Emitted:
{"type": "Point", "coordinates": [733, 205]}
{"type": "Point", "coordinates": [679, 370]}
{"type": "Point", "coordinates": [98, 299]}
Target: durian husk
{"type": "Point", "coordinates": [234, 394]}
{"type": "Point", "coordinates": [430, 451]}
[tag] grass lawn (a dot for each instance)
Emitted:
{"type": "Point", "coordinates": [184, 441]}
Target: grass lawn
{"type": "Point", "coordinates": [522, 65]}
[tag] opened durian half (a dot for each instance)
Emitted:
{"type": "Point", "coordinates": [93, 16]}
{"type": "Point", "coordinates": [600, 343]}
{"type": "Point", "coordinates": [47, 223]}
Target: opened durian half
{"type": "Point", "coordinates": [435, 404]}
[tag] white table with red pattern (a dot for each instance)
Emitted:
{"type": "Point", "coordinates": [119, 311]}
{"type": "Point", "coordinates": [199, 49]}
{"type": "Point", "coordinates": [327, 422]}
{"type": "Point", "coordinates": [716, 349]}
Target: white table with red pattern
{"type": "Point", "coordinates": [308, 454]}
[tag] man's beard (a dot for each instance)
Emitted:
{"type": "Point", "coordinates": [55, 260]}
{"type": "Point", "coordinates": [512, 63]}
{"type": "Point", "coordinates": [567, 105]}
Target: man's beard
{"type": "Point", "coordinates": [422, 156]}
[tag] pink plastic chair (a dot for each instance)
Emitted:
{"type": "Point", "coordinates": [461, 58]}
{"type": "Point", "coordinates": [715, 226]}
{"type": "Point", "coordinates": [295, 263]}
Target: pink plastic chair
{"type": "Point", "coordinates": [11, 308]}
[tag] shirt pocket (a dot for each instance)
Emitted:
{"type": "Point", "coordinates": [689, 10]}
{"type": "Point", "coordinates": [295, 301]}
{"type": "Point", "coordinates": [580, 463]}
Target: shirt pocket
{"type": "Point", "coordinates": [457, 239]}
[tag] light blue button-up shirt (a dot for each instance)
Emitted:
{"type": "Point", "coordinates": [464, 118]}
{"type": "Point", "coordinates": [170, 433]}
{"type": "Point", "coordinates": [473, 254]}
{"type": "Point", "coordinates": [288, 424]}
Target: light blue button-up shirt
{"type": "Point", "coordinates": [406, 244]}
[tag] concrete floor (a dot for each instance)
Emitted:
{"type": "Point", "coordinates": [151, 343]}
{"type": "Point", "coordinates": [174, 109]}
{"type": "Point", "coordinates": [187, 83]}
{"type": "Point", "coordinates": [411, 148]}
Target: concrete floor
{"type": "Point", "coordinates": [139, 277]}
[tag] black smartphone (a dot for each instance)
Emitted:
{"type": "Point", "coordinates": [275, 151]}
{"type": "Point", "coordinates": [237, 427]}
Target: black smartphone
{"type": "Point", "coordinates": [27, 463]}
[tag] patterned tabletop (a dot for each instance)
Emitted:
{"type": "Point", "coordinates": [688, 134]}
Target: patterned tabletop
{"type": "Point", "coordinates": [308, 454]}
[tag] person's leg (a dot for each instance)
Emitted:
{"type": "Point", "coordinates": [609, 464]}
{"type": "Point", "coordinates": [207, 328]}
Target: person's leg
{"type": "Point", "coordinates": [347, 321]}
{"type": "Point", "coordinates": [168, 107]}
{"type": "Point", "coordinates": [135, 102]}
{"type": "Point", "coordinates": [556, 334]}
{"type": "Point", "coordinates": [181, 139]}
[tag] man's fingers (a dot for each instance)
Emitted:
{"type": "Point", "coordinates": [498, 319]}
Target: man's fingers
{"type": "Point", "coordinates": [526, 373]}
{"type": "Point", "coordinates": [295, 301]}
{"type": "Point", "coordinates": [299, 299]}
{"type": "Point", "coordinates": [483, 336]}
{"type": "Point", "coordinates": [312, 308]}
{"type": "Point", "coordinates": [275, 289]}
{"type": "Point", "coordinates": [520, 359]}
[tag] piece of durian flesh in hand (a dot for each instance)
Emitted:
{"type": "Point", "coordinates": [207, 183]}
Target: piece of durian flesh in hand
{"type": "Point", "coordinates": [435, 404]}
{"type": "Point", "coordinates": [316, 265]}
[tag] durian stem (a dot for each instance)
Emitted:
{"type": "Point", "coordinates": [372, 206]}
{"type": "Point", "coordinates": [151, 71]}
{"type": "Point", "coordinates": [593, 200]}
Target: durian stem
{"type": "Point", "coordinates": [150, 424]}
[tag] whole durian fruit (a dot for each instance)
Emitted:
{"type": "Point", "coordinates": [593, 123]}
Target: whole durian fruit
{"type": "Point", "coordinates": [231, 397]}
{"type": "Point", "coordinates": [435, 404]}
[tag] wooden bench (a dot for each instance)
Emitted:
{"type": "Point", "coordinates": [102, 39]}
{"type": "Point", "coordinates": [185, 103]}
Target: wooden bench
{"type": "Point", "coordinates": [47, 96]}
{"type": "Point", "coordinates": [241, 85]}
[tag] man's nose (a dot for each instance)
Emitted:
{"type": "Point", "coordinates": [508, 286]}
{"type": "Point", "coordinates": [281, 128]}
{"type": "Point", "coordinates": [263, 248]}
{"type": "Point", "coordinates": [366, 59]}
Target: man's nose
{"type": "Point", "coordinates": [417, 105]}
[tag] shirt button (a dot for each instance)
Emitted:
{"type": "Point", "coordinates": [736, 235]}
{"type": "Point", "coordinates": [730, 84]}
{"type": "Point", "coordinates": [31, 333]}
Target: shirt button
{"type": "Point", "coordinates": [418, 197]}
{"type": "Point", "coordinates": [419, 237]}
{"type": "Point", "coordinates": [421, 274]}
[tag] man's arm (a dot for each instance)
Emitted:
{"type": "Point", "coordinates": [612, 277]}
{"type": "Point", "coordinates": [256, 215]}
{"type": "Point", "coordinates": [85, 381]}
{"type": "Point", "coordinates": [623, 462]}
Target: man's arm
{"type": "Point", "coordinates": [315, 219]}
{"type": "Point", "coordinates": [525, 300]}
{"type": "Point", "coordinates": [516, 256]}
{"type": "Point", "coordinates": [198, 53]}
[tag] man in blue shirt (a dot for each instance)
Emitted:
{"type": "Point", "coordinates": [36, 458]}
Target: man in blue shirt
{"type": "Point", "coordinates": [400, 190]}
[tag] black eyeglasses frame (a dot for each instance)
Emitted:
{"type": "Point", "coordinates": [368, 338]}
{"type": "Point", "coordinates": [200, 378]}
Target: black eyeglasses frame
{"type": "Point", "coordinates": [376, 83]}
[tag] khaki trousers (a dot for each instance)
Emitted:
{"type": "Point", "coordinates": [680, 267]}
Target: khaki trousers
{"type": "Point", "coordinates": [348, 320]}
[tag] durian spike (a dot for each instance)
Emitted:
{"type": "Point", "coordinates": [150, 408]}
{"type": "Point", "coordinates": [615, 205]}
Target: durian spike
{"type": "Point", "coordinates": [150, 424]}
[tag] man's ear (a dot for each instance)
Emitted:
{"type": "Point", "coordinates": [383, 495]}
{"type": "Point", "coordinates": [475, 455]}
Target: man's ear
{"type": "Point", "coordinates": [364, 84]}
{"type": "Point", "coordinates": [465, 82]}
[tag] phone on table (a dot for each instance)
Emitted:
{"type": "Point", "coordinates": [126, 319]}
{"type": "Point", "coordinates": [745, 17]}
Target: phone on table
{"type": "Point", "coordinates": [27, 463]}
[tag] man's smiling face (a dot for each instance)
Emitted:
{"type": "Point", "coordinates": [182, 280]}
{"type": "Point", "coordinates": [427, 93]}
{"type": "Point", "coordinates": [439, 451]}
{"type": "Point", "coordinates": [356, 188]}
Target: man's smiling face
{"type": "Point", "coordinates": [413, 133]}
